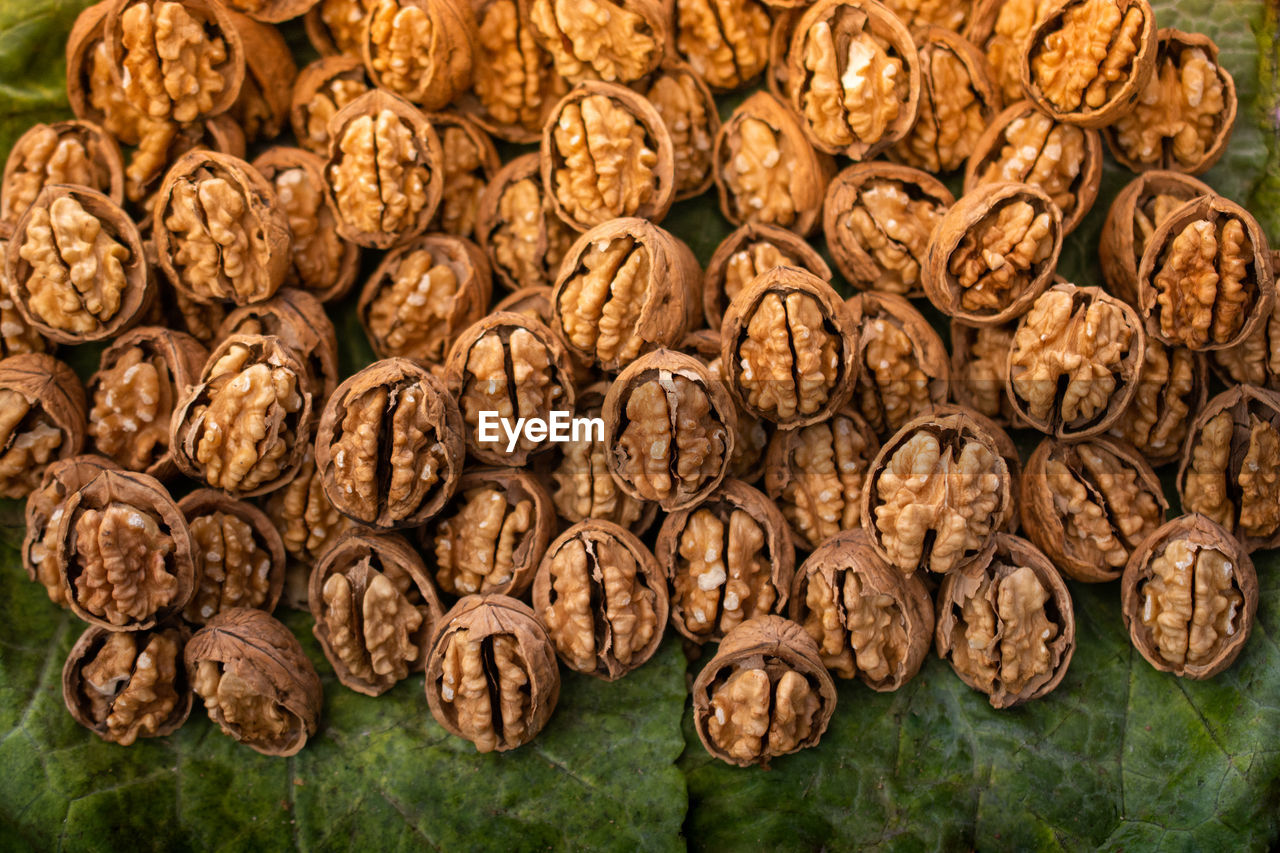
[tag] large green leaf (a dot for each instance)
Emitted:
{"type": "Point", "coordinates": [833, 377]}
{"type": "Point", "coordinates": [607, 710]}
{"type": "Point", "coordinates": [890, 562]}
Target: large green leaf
{"type": "Point", "coordinates": [1120, 756]}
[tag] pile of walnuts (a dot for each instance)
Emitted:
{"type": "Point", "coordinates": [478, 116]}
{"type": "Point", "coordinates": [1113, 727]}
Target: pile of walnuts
{"type": "Point", "coordinates": [822, 486]}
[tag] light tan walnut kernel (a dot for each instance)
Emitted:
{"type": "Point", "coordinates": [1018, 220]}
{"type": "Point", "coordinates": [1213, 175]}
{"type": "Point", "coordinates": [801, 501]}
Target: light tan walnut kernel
{"type": "Point", "coordinates": [1004, 47]}
{"type": "Point", "coordinates": [42, 418]}
{"type": "Point", "coordinates": [904, 368]}
{"type": "Point", "coordinates": [70, 152]}
{"type": "Point", "coordinates": [422, 50]}
{"type": "Point", "coordinates": [979, 361]}
{"type": "Point", "coordinates": [726, 42]}
{"type": "Point", "coordinates": [120, 535]}
{"type": "Point", "coordinates": [689, 112]}
{"type": "Point", "coordinates": [524, 240]}
{"type": "Point", "coordinates": [342, 23]}
{"type": "Point", "coordinates": [238, 555]}
{"type": "Point", "coordinates": [320, 90]}
{"type": "Point", "coordinates": [1169, 395]}
{"type": "Point", "coordinates": [469, 163]}
{"type": "Point", "coordinates": [124, 686]}
{"type": "Point", "coordinates": [599, 39]}
{"type": "Point", "coordinates": [307, 522]}
{"type": "Point", "coordinates": [895, 228]}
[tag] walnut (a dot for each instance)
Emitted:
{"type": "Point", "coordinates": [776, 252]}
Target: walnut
{"type": "Point", "coordinates": [298, 319]}
{"type": "Point", "coordinates": [375, 609]}
{"type": "Point", "coordinates": [423, 295]}
{"type": "Point", "coordinates": [602, 598]}
{"type": "Point", "coordinates": [243, 428]}
{"type": "Point", "coordinates": [869, 620]}
{"type": "Point", "coordinates": [262, 109]}
{"type": "Point", "coordinates": [319, 91]}
{"type": "Point", "coordinates": [302, 514]}
{"type": "Point", "coordinates": [45, 508]}
{"type": "Point", "coordinates": [765, 170]}
{"type": "Point", "coordinates": [1189, 596]}
{"type": "Point", "coordinates": [786, 13]}
{"type": "Point", "coordinates": [1005, 446]}
{"type": "Point", "coordinates": [728, 559]}
{"type": "Point", "coordinates": [877, 218]}
{"type": "Point", "coordinates": [255, 681]}
{"type": "Point", "coordinates": [790, 346]}
{"type": "Point", "coordinates": [853, 75]}
{"type": "Point", "coordinates": [993, 253]}
{"type": "Point", "coordinates": [422, 50]}
{"type": "Point", "coordinates": [163, 144]}
{"type": "Point", "coordinates": [123, 552]}
{"type": "Point", "coordinates": [389, 447]}
{"type": "Point", "coordinates": [1184, 115]}
{"type": "Point", "coordinates": [979, 361]}
{"type": "Point", "coordinates": [42, 419]}
{"type": "Point", "coordinates": [123, 686]}
{"type": "Point", "coordinates": [751, 436]}
{"type": "Point", "coordinates": [65, 152]}
{"type": "Point", "coordinates": [1024, 145]}
{"type": "Point", "coordinates": [1088, 505]}
{"type": "Point", "coordinates": [491, 675]}
{"type": "Point", "coordinates": [385, 170]}
{"type": "Point", "coordinates": [1006, 624]}
{"type": "Point", "coordinates": [134, 392]}
{"type": "Point", "coordinates": [1229, 465]}
{"type": "Point", "coordinates": [625, 288]}
{"type": "Point", "coordinates": [219, 232]}
{"type": "Point", "coordinates": [617, 42]}
{"type": "Point", "coordinates": [17, 336]}
{"type": "Point", "coordinates": [1087, 61]}
{"type": "Point", "coordinates": [605, 153]}
{"type": "Point", "coordinates": [725, 42]}
{"type": "Point", "coordinates": [336, 27]}
{"type": "Point", "coordinates": [904, 369]}
{"type": "Point", "coordinates": [92, 91]}
{"type": "Point", "coordinates": [937, 493]}
{"type": "Point", "coordinates": [76, 267]}
{"type": "Point", "coordinates": [764, 694]}
{"type": "Point", "coordinates": [686, 107]}
{"type": "Point", "coordinates": [238, 554]}
{"type": "Point", "coordinates": [746, 253]}
{"type": "Point", "coordinates": [1014, 21]}
{"type": "Point", "coordinates": [1075, 361]}
{"type": "Point", "coordinates": [470, 162]}
{"type": "Point", "coordinates": [1205, 281]}
{"type": "Point", "coordinates": [1172, 390]}
{"type": "Point", "coordinates": [921, 14]}
{"type": "Point", "coordinates": [178, 61]}
{"type": "Point", "coordinates": [522, 238]}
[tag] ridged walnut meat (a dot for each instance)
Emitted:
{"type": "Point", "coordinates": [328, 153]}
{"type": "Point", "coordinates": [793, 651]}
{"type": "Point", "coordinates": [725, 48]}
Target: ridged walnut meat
{"type": "Point", "coordinates": [219, 231]}
{"type": "Point", "coordinates": [1087, 61]}
{"type": "Point", "coordinates": [1172, 390]}
{"type": "Point", "coordinates": [45, 508]}
{"type": "Point", "coordinates": [728, 559]}
{"type": "Point", "coordinates": [618, 42]}
{"type": "Point", "coordinates": [993, 253]}
{"type": "Point", "coordinates": [163, 146]}
{"type": "Point", "coordinates": [870, 621]}
{"type": "Point", "coordinates": [238, 555]}
{"type": "Point", "coordinates": [687, 108]}
{"type": "Point", "coordinates": [1189, 596]}
{"type": "Point", "coordinates": [954, 17]}
{"type": "Point", "coordinates": [765, 170]}
{"type": "Point", "coordinates": [42, 418]}
{"type": "Point", "coordinates": [307, 521]}
{"type": "Point", "coordinates": [298, 319]}
{"type": "Point", "coordinates": [903, 366]}
{"type": "Point", "coordinates": [385, 170]}
{"type": "Point", "coordinates": [470, 162]}
{"type": "Point", "coordinates": [65, 152]}
{"type": "Point", "coordinates": [76, 266]}
{"type": "Point", "coordinates": [255, 681]}
{"type": "Point", "coordinates": [1024, 145]}
{"type": "Point", "coordinates": [421, 50]}
{"type": "Point", "coordinates": [853, 75]}
{"type": "Point", "coordinates": [1089, 505]}
{"type": "Point", "coordinates": [1076, 361]}
{"type": "Point", "coordinates": [493, 534]}
{"type": "Point", "coordinates": [938, 492]}
{"type": "Point", "coordinates": [877, 218]}
{"type": "Point", "coordinates": [491, 675]}
{"type": "Point", "coordinates": [1206, 281]}
{"type": "Point", "coordinates": [765, 693]}
{"type": "Point", "coordinates": [423, 295]}
{"type": "Point", "coordinates": [790, 347]}
{"type": "Point", "coordinates": [319, 91]}
{"type": "Point", "coordinates": [92, 91]}
{"type": "Point", "coordinates": [1007, 449]}
{"type": "Point", "coordinates": [123, 686]}
{"type": "Point", "coordinates": [1006, 624]}
{"type": "Point", "coordinates": [124, 553]}
{"type": "Point", "coordinates": [746, 253]}
{"type": "Point", "coordinates": [606, 153]}
{"type": "Point", "coordinates": [375, 610]}
{"type": "Point", "coordinates": [1230, 470]}
{"type": "Point", "coordinates": [524, 240]}
{"type": "Point", "coordinates": [1184, 115]}
{"type": "Point", "coordinates": [389, 447]}
{"type": "Point", "coordinates": [132, 396]}
{"type": "Point", "coordinates": [17, 335]}
{"type": "Point", "coordinates": [336, 27]}
{"type": "Point", "coordinates": [979, 361]}
{"type": "Point", "coordinates": [725, 42]}
{"type": "Point", "coordinates": [671, 427]}
{"type": "Point", "coordinates": [625, 288]}
{"type": "Point", "coordinates": [751, 436]}
{"type": "Point", "coordinates": [602, 598]}
{"type": "Point", "coordinates": [1004, 39]}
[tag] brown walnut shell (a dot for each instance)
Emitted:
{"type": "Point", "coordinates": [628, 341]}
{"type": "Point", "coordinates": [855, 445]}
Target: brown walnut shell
{"type": "Point", "coordinates": [979, 360]}
{"type": "Point", "coordinates": [272, 703]}
{"type": "Point", "coordinates": [45, 508]}
{"type": "Point", "coordinates": [64, 152]}
{"type": "Point", "coordinates": [523, 239]}
{"type": "Point", "coordinates": [262, 110]}
{"type": "Point", "coordinates": [43, 403]}
{"type": "Point", "coordinates": [375, 609]}
{"type": "Point", "coordinates": [470, 162]}
{"type": "Point", "coordinates": [523, 679]}
{"type": "Point", "coordinates": [728, 559]}
{"type": "Point", "coordinates": [1164, 596]}
{"type": "Point", "coordinates": [238, 555]}
{"type": "Point", "coordinates": [429, 74]}
{"type": "Point", "coordinates": [603, 599]}
{"type": "Point", "coordinates": [1172, 390]}
{"type": "Point", "coordinates": [788, 664]}
{"type": "Point", "coordinates": [869, 621]}
{"type": "Point", "coordinates": [746, 253]}
{"type": "Point", "coordinates": [319, 91]}
{"type": "Point", "coordinates": [1013, 600]}
{"type": "Point", "coordinates": [298, 319]}
{"type": "Point", "coordinates": [785, 16]}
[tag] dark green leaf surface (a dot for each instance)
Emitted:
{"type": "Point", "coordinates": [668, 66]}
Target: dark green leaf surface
{"type": "Point", "coordinates": [1119, 757]}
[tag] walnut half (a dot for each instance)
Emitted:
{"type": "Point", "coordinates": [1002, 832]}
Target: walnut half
{"type": "Point", "coordinates": [238, 555]}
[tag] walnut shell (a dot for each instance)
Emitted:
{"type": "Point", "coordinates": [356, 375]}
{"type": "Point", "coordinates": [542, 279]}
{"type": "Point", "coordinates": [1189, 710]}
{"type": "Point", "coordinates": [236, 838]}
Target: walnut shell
{"type": "Point", "coordinates": [515, 225]}
{"type": "Point", "coordinates": [523, 678]}
{"type": "Point", "coordinates": [1162, 593]}
{"type": "Point", "coordinates": [781, 651]}
{"type": "Point", "coordinates": [262, 109]}
{"type": "Point", "coordinates": [44, 407]}
{"type": "Point", "coordinates": [868, 619]}
{"type": "Point", "coordinates": [421, 50]}
{"type": "Point", "coordinates": [238, 556]}
{"type": "Point", "coordinates": [603, 598]}
{"type": "Point", "coordinates": [64, 152]}
{"type": "Point", "coordinates": [977, 607]}
{"type": "Point", "coordinates": [298, 319]}
{"type": "Point", "coordinates": [737, 544]}
{"type": "Point", "coordinates": [45, 508]}
{"type": "Point", "coordinates": [375, 609]}
{"type": "Point", "coordinates": [533, 302]}
{"type": "Point", "coordinates": [270, 11]}
{"type": "Point", "coordinates": [256, 682]}
{"type": "Point", "coordinates": [746, 253]}
{"type": "Point", "coordinates": [319, 91]}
